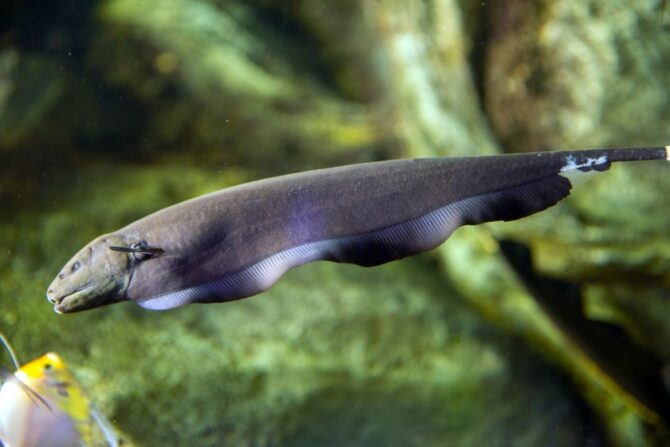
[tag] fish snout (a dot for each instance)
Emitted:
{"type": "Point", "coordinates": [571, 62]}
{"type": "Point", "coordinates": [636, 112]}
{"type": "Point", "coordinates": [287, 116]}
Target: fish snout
{"type": "Point", "coordinates": [50, 296]}
{"type": "Point", "coordinates": [56, 291]}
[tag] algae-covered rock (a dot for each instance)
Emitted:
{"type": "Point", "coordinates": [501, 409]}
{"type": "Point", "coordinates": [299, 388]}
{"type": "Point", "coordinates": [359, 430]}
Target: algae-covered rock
{"type": "Point", "coordinates": [576, 73]}
{"type": "Point", "coordinates": [430, 86]}
{"type": "Point", "coordinates": [339, 45]}
{"type": "Point", "coordinates": [232, 82]}
{"type": "Point", "coordinates": [474, 265]}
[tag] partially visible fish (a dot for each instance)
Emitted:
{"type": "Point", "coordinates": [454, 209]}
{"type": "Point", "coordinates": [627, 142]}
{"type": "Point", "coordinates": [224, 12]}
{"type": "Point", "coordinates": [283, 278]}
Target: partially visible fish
{"type": "Point", "coordinates": [42, 404]}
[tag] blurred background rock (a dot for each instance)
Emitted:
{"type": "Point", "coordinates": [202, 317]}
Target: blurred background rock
{"type": "Point", "coordinates": [112, 109]}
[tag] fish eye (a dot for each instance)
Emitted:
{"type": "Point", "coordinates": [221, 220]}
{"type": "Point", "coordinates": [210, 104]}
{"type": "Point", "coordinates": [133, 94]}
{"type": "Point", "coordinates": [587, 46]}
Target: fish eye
{"type": "Point", "coordinates": [75, 266]}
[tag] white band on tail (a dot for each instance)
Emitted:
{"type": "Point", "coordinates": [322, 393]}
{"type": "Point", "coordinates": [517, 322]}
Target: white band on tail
{"type": "Point", "coordinates": [571, 162]}
{"type": "Point", "coordinates": [667, 153]}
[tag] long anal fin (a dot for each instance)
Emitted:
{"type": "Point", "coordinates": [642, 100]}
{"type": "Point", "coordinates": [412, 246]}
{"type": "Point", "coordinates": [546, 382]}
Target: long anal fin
{"type": "Point", "coordinates": [515, 202]}
{"type": "Point", "coordinates": [377, 247]}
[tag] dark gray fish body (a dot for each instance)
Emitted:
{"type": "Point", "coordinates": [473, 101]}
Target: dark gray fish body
{"type": "Point", "coordinates": [237, 242]}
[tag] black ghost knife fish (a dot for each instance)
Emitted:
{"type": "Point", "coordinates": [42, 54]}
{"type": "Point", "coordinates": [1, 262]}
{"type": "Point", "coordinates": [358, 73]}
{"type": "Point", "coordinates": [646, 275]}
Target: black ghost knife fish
{"type": "Point", "coordinates": [239, 241]}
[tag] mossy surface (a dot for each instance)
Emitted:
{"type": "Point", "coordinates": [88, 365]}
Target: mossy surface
{"type": "Point", "coordinates": [563, 74]}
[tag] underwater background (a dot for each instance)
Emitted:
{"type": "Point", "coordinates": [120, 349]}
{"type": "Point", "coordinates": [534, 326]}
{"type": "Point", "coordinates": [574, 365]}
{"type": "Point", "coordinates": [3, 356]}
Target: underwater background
{"type": "Point", "coordinates": [112, 109]}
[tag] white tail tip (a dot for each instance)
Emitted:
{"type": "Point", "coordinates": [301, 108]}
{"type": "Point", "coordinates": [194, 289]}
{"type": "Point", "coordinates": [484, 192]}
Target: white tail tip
{"type": "Point", "coordinates": [667, 153]}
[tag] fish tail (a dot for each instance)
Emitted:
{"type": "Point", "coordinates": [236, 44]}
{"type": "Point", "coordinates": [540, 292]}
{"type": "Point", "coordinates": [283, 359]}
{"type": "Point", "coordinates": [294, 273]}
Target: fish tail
{"type": "Point", "coordinates": [638, 153]}
{"type": "Point", "coordinates": [601, 159]}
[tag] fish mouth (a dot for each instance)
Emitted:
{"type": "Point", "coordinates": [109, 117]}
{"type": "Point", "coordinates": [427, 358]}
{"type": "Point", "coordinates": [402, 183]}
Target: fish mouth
{"type": "Point", "coordinates": [75, 301]}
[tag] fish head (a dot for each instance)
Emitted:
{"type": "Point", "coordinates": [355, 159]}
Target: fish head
{"type": "Point", "coordinates": [97, 275]}
{"type": "Point", "coordinates": [48, 365]}
{"type": "Point", "coordinates": [50, 376]}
